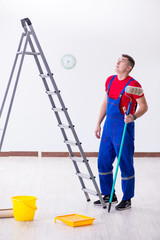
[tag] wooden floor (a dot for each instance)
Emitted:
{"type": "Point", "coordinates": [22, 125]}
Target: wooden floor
{"type": "Point", "coordinates": [54, 183]}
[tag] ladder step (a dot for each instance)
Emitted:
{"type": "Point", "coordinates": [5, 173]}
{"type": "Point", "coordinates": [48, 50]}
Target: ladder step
{"type": "Point", "coordinates": [52, 92]}
{"type": "Point", "coordinates": [58, 109]}
{"type": "Point", "coordinates": [83, 175]}
{"type": "Point", "coordinates": [63, 126]}
{"type": "Point", "coordinates": [77, 159]}
{"type": "Point", "coordinates": [68, 142]}
{"type": "Point", "coordinates": [44, 75]}
{"type": "Point", "coordinates": [29, 53]}
{"type": "Point", "coordinates": [90, 191]}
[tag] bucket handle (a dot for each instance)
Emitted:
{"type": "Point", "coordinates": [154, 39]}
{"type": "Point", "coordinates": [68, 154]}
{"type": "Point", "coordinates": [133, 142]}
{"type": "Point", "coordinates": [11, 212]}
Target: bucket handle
{"type": "Point", "coordinates": [34, 208]}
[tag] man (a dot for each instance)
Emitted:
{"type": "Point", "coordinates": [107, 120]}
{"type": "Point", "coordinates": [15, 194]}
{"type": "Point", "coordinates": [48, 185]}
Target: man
{"type": "Point", "coordinates": [113, 108]}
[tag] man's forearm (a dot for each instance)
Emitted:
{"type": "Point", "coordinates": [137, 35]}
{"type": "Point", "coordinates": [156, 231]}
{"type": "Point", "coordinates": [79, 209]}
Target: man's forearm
{"type": "Point", "coordinates": [102, 114]}
{"type": "Point", "coordinates": [143, 107]}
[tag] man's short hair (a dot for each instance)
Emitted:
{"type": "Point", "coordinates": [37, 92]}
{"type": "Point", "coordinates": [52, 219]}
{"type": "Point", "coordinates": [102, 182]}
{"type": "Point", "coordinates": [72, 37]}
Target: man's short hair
{"type": "Point", "coordinates": [130, 60]}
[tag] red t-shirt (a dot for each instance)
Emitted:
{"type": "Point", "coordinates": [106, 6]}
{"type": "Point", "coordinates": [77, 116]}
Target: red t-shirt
{"type": "Point", "coordinates": [117, 86]}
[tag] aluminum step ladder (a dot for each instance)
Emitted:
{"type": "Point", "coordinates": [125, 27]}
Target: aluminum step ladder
{"type": "Point", "coordinates": [29, 37]}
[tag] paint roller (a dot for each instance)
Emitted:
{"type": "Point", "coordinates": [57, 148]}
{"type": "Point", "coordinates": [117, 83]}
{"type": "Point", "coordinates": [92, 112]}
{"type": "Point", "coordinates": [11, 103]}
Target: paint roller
{"type": "Point", "coordinates": [134, 90]}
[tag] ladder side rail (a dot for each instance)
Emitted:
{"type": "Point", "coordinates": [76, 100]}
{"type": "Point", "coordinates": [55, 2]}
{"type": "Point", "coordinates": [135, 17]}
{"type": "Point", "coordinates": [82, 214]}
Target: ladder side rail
{"type": "Point", "coordinates": [59, 96]}
{"type": "Point", "coordinates": [43, 57]}
{"type": "Point", "coordinates": [66, 113]}
{"type": "Point", "coordinates": [14, 91]}
{"type": "Point", "coordinates": [11, 75]}
{"type": "Point", "coordinates": [43, 79]}
{"type": "Point", "coordinates": [46, 86]}
{"type": "Point", "coordinates": [51, 77]}
{"type": "Point", "coordinates": [53, 105]}
{"type": "Point", "coordinates": [92, 176]}
{"type": "Point", "coordinates": [53, 82]}
{"type": "Point", "coordinates": [80, 149]}
{"type": "Point", "coordinates": [88, 167]}
{"type": "Point", "coordinates": [81, 181]}
{"type": "Point", "coordinates": [57, 115]}
{"type": "Point", "coordinates": [65, 110]}
{"type": "Point", "coordinates": [77, 171]}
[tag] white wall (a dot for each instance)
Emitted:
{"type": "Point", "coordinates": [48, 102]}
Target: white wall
{"type": "Point", "coordinates": [96, 33]}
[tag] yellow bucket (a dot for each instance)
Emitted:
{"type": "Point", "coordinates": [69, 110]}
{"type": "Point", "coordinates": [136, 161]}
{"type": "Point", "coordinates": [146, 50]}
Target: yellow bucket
{"type": "Point", "coordinates": [24, 207]}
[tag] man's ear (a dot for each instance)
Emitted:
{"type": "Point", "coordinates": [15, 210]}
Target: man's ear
{"type": "Point", "coordinates": [129, 68]}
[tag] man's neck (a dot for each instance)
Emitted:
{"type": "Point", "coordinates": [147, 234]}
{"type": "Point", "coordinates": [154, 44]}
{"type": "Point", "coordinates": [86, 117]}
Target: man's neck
{"type": "Point", "coordinates": [122, 76]}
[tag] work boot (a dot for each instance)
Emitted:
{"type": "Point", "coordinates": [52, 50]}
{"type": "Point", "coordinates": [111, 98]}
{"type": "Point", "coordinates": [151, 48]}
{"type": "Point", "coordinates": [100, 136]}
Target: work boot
{"type": "Point", "coordinates": [123, 205]}
{"type": "Point", "coordinates": [106, 200]}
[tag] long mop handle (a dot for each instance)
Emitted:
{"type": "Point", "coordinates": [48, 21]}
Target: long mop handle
{"type": "Point", "coordinates": [119, 157]}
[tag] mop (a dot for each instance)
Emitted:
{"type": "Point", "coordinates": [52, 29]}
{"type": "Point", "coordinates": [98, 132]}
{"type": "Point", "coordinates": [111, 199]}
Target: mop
{"type": "Point", "coordinates": [135, 91]}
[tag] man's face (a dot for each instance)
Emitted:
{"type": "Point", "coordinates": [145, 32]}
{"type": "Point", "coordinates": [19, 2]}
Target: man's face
{"type": "Point", "coordinates": [122, 65]}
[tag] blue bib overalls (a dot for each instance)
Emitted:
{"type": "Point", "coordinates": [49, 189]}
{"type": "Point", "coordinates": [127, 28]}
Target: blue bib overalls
{"type": "Point", "coordinates": [110, 145]}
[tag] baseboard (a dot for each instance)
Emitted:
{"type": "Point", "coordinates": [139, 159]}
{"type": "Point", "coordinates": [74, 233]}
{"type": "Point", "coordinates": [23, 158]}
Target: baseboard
{"type": "Point", "coordinates": [147, 154]}
{"type": "Point", "coordinates": [19, 154]}
{"type": "Point", "coordinates": [95, 154]}
{"type": "Point", "coordinates": [66, 154]}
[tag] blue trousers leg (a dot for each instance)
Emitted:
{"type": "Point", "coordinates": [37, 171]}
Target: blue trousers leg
{"type": "Point", "coordinates": [106, 158]}
{"type": "Point", "coordinates": [126, 164]}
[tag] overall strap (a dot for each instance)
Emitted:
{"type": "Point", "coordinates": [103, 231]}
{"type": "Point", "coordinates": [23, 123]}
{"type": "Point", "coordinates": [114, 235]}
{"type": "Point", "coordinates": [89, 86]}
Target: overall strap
{"type": "Point", "coordinates": [110, 83]}
{"type": "Point", "coordinates": [125, 88]}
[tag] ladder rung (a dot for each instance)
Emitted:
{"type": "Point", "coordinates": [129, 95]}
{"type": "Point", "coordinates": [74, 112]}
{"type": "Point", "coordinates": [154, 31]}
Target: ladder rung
{"type": "Point", "coordinates": [57, 109]}
{"type": "Point", "coordinates": [90, 191]}
{"type": "Point", "coordinates": [70, 142]}
{"type": "Point", "coordinates": [83, 175]}
{"type": "Point", "coordinates": [29, 53]}
{"type": "Point", "coordinates": [44, 75]}
{"type": "Point", "coordinates": [51, 92]}
{"type": "Point", "coordinates": [63, 126]}
{"type": "Point", "coordinates": [77, 159]}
